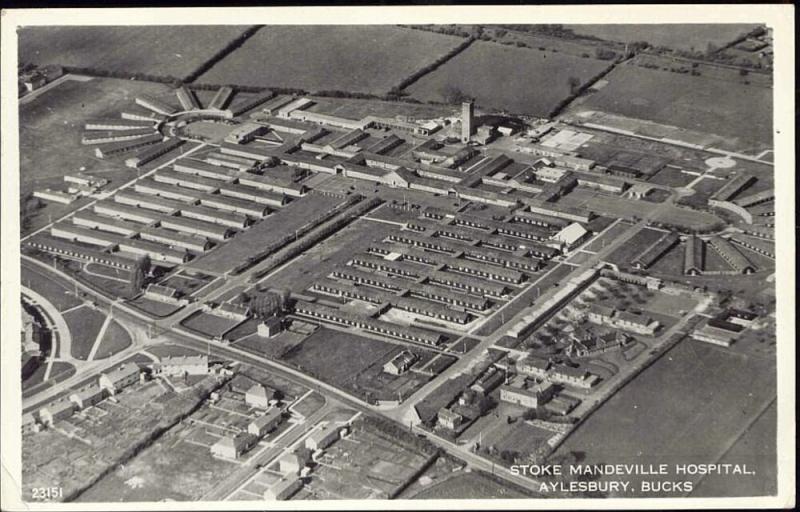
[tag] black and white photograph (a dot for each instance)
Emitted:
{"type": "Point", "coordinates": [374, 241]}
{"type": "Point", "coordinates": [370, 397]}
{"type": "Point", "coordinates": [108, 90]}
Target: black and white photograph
{"type": "Point", "coordinates": [398, 260]}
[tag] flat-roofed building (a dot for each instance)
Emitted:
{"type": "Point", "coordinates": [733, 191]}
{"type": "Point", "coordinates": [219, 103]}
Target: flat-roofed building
{"type": "Point", "coordinates": [155, 251]}
{"type": "Point", "coordinates": [175, 239]}
{"type": "Point", "coordinates": [124, 211]}
{"type": "Point", "coordinates": [225, 218]}
{"type": "Point", "coordinates": [254, 195]}
{"type": "Point", "coordinates": [187, 98]}
{"type": "Point", "coordinates": [152, 187]}
{"type": "Point", "coordinates": [117, 148]}
{"type": "Point", "coordinates": [232, 204]}
{"type": "Point", "coordinates": [118, 125]}
{"type": "Point", "coordinates": [115, 136]}
{"type": "Point", "coordinates": [150, 153]}
{"type": "Point", "coordinates": [55, 196]}
{"type": "Point", "coordinates": [155, 105]}
{"type": "Point", "coordinates": [87, 236]}
{"type": "Point", "coordinates": [146, 202]}
{"type": "Point", "coordinates": [270, 183]}
{"type": "Point", "coordinates": [91, 220]}
{"type": "Point", "coordinates": [197, 227]}
{"type": "Point", "coordinates": [250, 103]}
{"type": "Point", "coordinates": [66, 249]}
{"type": "Point", "coordinates": [194, 167]}
{"type": "Point", "coordinates": [186, 180]}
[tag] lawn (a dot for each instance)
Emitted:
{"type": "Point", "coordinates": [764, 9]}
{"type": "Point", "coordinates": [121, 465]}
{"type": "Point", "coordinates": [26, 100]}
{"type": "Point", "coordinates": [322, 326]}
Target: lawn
{"type": "Point", "coordinates": [697, 103]}
{"type": "Point", "coordinates": [671, 177]}
{"type": "Point", "coordinates": [533, 82]}
{"type": "Point", "coordinates": [703, 189]}
{"type": "Point", "coordinates": [369, 59]}
{"type": "Point", "coordinates": [84, 326]}
{"type": "Point", "coordinates": [208, 324]}
{"type": "Point", "coordinates": [114, 340]}
{"type": "Point", "coordinates": [59, 296]}
{"type": "Point", "coordinates": [688, 407]}
{"type": "Point", "coordinates": [154, 307]}
{"type": "Point", "coordinates": [758, 447]}
{"type": "Point", "coordinates": [341, 358]}
{"type": "Point", "coordinates": [677, 36]}
{"type": "Point", "coordinates": [152, 49]}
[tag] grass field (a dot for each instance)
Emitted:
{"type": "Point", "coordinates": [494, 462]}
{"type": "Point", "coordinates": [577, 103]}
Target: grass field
{"type": "Point", "coordinates": [370, 59]}
{"type": "Point", "coordinates": [208, 324]}
{"type": "Point", "coordinates": [114, 340]}
{"type": "Point", "coordinates": [533, 82]}
{"type": "Point", "coordinates": [61, 297]}
{"type": "Point", "coordinates": [688, 407]}
{"type": "Point", "coordinates": [84, 325]}
{"type": "Point", "coordinates": [469, 486]}
{"type": "Point", "coordinates": [154, 307]}
{"type": "Point", "coordinates": [154, 50]}
{"type": "Point", "coordinates": [757, 446]}
{"type": "Point", "coordinates": [695, 103]}
{"type": "Point", "coordinates": [671, 177]}
{"type": "Point", "coordinates": [342, 359]}
{"type": "Point", "coordinates": [677, 36]}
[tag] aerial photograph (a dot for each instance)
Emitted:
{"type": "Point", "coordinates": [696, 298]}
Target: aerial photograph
{"type": "Point", "coordinates": [396, 262]}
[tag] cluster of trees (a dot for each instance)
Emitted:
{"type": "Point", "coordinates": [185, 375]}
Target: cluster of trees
{"type": "Point", "coordinates": [395, 432]}
{"type": "Point", "coordinates": [576, 89]}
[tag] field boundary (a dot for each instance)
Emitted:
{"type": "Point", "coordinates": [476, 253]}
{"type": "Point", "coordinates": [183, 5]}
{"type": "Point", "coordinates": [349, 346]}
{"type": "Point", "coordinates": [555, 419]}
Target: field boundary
{"type": "Point", "coordinates": [235, 43]}
{"type": "Point", "coordinates": [430, 68]}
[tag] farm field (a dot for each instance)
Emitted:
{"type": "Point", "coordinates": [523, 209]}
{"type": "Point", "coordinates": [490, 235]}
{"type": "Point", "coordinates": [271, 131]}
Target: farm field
{"type": "Point", "coordinates": [84, 325]}
{"type": "Point", "coordinates": [153, 50]}
{"type": "Point", "coordinates": [670, 409]}
{"type": "Point", "coordinates": [534, 81]}
{"type": "Point", "coordinates": [369, 59]}
{"type": "Point", "coordinates": [680, 37]}
{"type": "Point", "coordinates": [695, 103]}
{"type": "Point", "coordinates": [757, 446]}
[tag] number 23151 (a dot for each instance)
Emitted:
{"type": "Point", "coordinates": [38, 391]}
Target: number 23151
{"type": "Point", "coordinates": [47, 493]}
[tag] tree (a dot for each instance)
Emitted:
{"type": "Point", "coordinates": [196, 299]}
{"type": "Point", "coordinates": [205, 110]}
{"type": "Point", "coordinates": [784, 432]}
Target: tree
{"type": "Point", "coordinates": [573, 82]}
{"type": "Point", "coordinates": [453, 94]}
